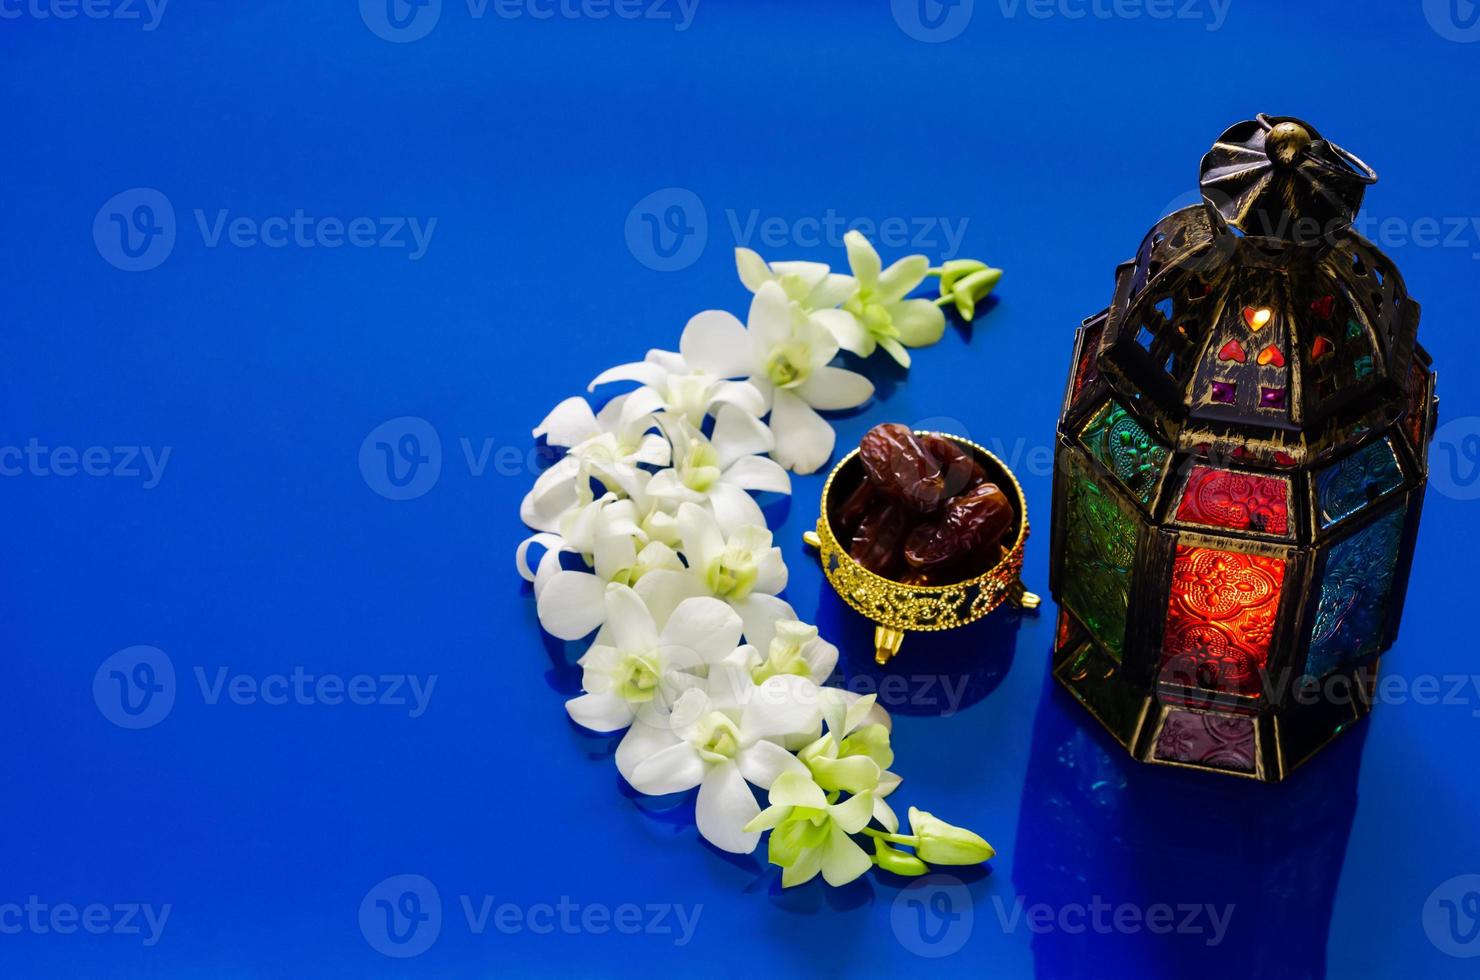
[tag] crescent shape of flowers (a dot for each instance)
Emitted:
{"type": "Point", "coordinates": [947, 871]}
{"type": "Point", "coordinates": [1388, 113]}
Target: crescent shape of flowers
{"type": "Point", "coordinates": [646, 534]}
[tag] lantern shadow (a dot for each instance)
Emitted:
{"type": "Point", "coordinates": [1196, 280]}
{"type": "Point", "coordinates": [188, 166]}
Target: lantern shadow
{"type": "Point", "coordinates": [1238, 877]}
{"type": "Point", "coordinates": [934, 674]}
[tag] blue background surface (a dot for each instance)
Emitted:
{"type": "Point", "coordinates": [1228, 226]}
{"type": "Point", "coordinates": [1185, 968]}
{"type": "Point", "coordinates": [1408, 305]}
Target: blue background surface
{"type": "Point", "coordinates": [1057, 141]}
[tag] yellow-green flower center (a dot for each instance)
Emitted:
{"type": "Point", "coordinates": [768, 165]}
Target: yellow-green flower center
{"type": "Point", "coordinates": [637, 677]}
{"type": "Point", "coordinates": [731, 575]}
{"type": "Point", "coordinates": [718, 738]}
{"type": "Point", "coordinates": [789, 365]}
{"type": "Point", "coordinates": [700, 469]}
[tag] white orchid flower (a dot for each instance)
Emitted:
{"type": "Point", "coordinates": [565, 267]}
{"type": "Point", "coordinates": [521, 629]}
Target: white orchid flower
{"type": "Point", "coordinates": [880, 314]}
{"type": "Point", "coordinates": [570, 602]}
{"type": "Point", "coordinates": [719, 747]}
{"type": "Point", "coordinates": [608, 446]}
{"type": "Point", "coordinates": [785, 353]}
{"type": "Point", "coordinates": [786, 645]}
{"type": "Point", "coordinates": [636, 668]}
{"type": "Point", "coordinates": [742, 568]}
{"type": "Point", "coordinates": [720, 469]}
{"type": "Point", "coordinates": [855, 754]}
{"type": "Point", "coordinates": [809, 834]}
{"type": "Point", "coordinates": [669, 385]}
{"type": "Point", "coordinates": [812, 285]}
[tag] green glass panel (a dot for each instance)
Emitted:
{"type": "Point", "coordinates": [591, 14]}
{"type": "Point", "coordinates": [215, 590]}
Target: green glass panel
{"type": "Point", "coordinates": [1125, 448]}
{"type": "Point", "coordinates": [1100, 546]}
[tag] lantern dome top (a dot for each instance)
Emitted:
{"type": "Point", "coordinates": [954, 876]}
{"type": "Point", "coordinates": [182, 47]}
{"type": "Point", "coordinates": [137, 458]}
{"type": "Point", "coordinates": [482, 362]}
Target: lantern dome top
{"type": "Point", "coordinates": [1260, 321]}
{"type": "Point", "coordinates": [1276, 178]}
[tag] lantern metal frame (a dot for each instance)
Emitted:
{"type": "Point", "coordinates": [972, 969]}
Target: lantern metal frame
{"type": "Point", "coordinates": [1168, 389]}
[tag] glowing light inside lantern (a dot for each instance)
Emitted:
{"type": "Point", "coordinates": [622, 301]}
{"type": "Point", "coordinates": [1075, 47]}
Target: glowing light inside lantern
{"type": "Point", "coordinates": [1257, 318]}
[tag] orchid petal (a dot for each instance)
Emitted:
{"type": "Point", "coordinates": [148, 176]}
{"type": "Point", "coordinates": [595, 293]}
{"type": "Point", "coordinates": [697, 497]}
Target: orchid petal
{"type": "Point", "coordinates": [672, 770]}
{"type": "Point", "coordinates": [627, 617]}
{"type": "Point", "coordinates": [704, 628]}
{"type": "Point", "coordinates": [920, 322]}
{"type": "Point", "coordinates": [662, 591]}
{"type": "Point", "coordinates": [600, 712]}
{"type": "Point", "coordinates": [643, 372]}
{"type": "Point", "coordinates": [733, 507]}
{"type": "Point", "coordinates": [900, 279]}
{"type": "Point", "coordinates": [835, 388]}
{"type": "Point", "coordinates": [752, 268]}
{"type": "Point", "coordinates": [717, 343]}
{"type": "Point", "coordinates": [804, 439]}
{"type": "Point", "coordinates": [724, 807]}
{"type": "Point", "coordinates": [568, 423]}
{"type": "Point", "coordinates": [847, 331]}
{"type": "Point", "coordinates": [570, 604]}
{"type": "Point", "coordinates": [842, 859]}
{"type": "Point", "coordinates": [863, 260]}
{"type": "Point", "coordinates": [758, 473]}
{"type": "Point", "coordinates": [762, 762]}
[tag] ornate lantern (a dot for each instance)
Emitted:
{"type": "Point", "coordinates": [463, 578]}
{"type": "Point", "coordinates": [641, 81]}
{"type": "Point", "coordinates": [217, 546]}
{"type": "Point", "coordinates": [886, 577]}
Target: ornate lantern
{"type": "Point", "coordinates": [1241, 465]}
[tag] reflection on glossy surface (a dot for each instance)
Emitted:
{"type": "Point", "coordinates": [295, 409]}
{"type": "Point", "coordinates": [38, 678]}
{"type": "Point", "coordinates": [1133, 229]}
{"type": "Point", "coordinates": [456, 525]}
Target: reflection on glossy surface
{"type": "Point", "coordinates": [1161, 872]}
{"type": "Point", "coordinates": [945, 671]}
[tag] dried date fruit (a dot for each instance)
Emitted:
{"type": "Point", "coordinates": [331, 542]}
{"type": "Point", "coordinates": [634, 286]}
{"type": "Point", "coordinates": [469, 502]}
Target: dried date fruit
{"type": "Point", "coordinates": [984, 513]}
{"type": "Point", "coordinates": [900, 467]}
{"type": "Point", "coordinates": [961, 471]}
{"type": "Point", "coordinates": [858, 505]}
{"type": "Point", "coordinates": [878, 544]}
{"type": "Point", "coordinates": [976, 517]}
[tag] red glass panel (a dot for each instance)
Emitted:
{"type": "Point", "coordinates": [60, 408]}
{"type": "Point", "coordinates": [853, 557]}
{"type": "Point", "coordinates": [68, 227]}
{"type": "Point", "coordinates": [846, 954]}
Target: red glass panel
{"type": "Point", "coordinates": [1088, 369]}
{"type": "Point", "coordinates": [1240, 501]}
{"type": "Point", "coordinates": [1418, 393]}
{"type": "Point", "coordinates": [1219, 620]}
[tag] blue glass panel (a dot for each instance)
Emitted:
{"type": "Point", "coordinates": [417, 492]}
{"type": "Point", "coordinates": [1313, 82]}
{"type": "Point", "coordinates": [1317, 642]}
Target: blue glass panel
{"type": "Point", "coordinates": [1355, 588]}
{"type": "Point", "coordinates": [1345, 487]}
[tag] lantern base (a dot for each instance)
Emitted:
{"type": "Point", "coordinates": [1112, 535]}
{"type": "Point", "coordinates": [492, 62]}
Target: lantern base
{"type": "Point", "coordinates": [1267, 746]}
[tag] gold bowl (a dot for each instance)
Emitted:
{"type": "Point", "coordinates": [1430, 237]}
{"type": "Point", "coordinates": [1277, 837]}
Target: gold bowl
{"type": "Point", "coordinates": [896, 608]}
